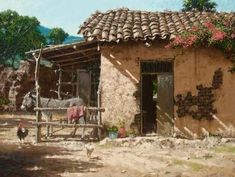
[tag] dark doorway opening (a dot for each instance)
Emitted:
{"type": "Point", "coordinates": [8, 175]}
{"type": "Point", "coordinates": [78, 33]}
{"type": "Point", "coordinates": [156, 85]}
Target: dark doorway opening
{"type": "Point", "coordinates": [157, 97]}
{"type": "Point", "coordinates": [149, 103]}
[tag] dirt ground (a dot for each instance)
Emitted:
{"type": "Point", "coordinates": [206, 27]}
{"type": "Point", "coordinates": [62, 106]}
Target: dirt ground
{"type": "Point", "coordinates": [150, 156]}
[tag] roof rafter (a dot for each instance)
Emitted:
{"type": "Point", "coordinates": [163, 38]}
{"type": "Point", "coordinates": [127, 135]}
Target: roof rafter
{"type": "Point", "coordinates": [77, 58]}
{"type": "Point", "coordinates": [78, 62]}
{"type": "Point", "coordinates": [68, 55]}
{"type": "Point", "coordinates": [71, 53]}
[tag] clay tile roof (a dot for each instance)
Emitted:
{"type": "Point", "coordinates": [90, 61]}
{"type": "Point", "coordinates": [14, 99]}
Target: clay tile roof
{"type": "Point", "coordinates": [124, 24]}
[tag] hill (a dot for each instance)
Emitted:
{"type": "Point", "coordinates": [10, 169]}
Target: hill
{"type": "Point", "coordinates": [70, 39]}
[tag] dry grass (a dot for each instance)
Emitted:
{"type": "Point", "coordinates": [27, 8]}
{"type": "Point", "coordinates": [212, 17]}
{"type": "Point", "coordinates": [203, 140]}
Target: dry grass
{"type": "Point", "coordinates": [193, 165]}
{"type": "Point", "coordinates": [225, 149]}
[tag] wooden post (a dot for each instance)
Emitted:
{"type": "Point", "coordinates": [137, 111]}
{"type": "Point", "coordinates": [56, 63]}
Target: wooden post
{"type": "Point", "coordinates": [77, 82]}
{"type": "Point", "coordinates": [99, 112]}
{"type": "Point", "coordinates": [38, 103]}
{"type": "Point", "coordinates": [72, 80]}
{"type": "Point", "coordinates": [59, 83]}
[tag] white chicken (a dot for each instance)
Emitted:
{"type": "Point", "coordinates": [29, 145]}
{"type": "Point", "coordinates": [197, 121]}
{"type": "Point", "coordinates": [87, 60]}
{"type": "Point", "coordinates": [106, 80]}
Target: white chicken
{"type": "Point", "coordinates": [89, 149]}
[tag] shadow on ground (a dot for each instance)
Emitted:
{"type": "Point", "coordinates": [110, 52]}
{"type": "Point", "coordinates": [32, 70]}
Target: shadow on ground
{"type": "Point", "coordinates": [30, 161]}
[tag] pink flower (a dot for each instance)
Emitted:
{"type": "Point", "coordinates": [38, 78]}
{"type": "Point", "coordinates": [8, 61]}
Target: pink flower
{"type": "Point", "coordinates": [178, 40]}
{"type": "Point", "coordinates": [218, 35]}
{"type": "Point", "coordinates": [189, 41]}
{"type": "Point", "coordinates": [233, 35]}
{"type": "Point", "coordinates": [168, 46]}
{"type": "Point", "coordinates": [209, 25]}
{"type": "Point", "coordinates": [194, 29]}
{"type": "Point", "coordinates": [193, 38]}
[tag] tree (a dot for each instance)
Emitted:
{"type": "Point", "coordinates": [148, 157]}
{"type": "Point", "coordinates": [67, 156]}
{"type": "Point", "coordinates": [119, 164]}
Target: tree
{"type": "Point", "coordinates": [18, 34]}
{"type": "Point", "coordinates": [57, 36]}
{"type": "Point", "coordinates": [200, 5]}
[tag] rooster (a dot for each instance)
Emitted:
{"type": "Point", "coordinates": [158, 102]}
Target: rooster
{"type": "Point", "coordinates": [89, 149]}
{"type": "Point", "coordinates": [22, 132]}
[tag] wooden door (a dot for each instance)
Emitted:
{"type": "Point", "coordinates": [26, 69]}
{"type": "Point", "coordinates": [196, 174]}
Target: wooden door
{"type": "Point", "coordinates": [165, 104]}
{"type": "Point", "coordinates": [84, 85]}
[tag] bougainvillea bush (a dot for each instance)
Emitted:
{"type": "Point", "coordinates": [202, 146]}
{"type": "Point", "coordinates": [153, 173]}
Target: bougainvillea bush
{"type": "Point", "coordinates": [219, 33]}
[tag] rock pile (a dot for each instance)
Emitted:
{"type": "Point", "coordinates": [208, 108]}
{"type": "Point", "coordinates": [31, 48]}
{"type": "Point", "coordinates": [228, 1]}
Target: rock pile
{"type": "Point", "coordinates": [16, 83]}
{"type": "Point", "coordinates": [159, 142]}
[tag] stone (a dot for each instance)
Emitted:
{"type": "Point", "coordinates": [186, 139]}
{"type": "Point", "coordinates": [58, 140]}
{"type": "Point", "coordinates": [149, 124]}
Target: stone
{"type": "Point", "coordinates": [178, 174]}
{"type": "Point", "coordinates": [93, 170]}
{"type": "Point", "coordinates": [123, 171]}
{"type": "Point", "coordinates": [208, 155]}
{"type": "Point", "coordinates": [5, 124]}
{"type": "Point", "coordinates": [104, 141]}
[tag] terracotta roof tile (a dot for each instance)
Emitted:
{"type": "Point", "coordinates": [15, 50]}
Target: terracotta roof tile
{"type": "Point", "coordinates": [124, 24]}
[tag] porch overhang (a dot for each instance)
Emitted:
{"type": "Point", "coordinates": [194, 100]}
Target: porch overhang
{"type": "Point", "coordinates": [69, 55]}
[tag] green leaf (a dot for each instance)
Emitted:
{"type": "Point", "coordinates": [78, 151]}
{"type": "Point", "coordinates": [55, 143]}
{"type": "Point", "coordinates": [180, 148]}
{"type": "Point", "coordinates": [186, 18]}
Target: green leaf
{"type": "Point", "coordinates": [57, 36]}
{"type": "Point", "coordinates": [18, 34]}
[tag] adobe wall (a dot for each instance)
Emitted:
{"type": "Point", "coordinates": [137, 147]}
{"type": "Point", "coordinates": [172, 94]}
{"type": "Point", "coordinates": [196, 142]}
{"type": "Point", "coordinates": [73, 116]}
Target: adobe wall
{"type": "Point", "coordinates": [120, 73]}
{"type": "Point", "coordinates": [116, 95]}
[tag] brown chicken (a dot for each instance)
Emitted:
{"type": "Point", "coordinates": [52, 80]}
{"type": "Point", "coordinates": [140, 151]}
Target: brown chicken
{"type": "Point", "coordinates": [22, 132]}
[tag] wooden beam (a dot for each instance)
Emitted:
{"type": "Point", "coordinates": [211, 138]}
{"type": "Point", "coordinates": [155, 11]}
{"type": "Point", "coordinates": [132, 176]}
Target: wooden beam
{"type": "Point", "coordinates": [60, 61]}
{"type": "Point", "coordinates": [63, 46]}
{"type": "Point", "coordinates": [65, 108]}
{"type": "Point", "coordinates": [59, 83]}
{"type": "Point", "coordinates": [71, 53]}
{"type": "Point", "coordinates": [68, 70]}
{"type": "Point", "coordinates": [37, 88]}
{"type": "Point", "coordinates": [62, 93]}
{"type": "Point", "coordinates": [84, 61]}
{"type": "Point", "coordinates": [68, 83]}
{"type": "Point", "coordinates": [68, 125]}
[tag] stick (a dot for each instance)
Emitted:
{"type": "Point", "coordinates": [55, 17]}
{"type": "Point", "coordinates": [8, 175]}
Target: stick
{"type": "Point", "coordinates": [65, 108]}
{"type": "Point", "coordinates": [59, 83]}
{"type": "Point", "coordinates": [37, 88]}
{"type": "Point", "coordinates": [68, 125]}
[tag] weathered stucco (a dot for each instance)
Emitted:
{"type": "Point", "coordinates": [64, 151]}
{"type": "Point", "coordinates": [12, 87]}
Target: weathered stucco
{"type": "Point", "coordinates": [117, 95]}
{"type": "Point", "coordinates": [120, 71]}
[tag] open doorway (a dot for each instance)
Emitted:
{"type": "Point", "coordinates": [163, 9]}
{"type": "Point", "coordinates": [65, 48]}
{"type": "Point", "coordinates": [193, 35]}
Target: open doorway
{"type": "Point", "coordinates": [149, 103]}
{"type": "Point", "coordinates": [157, 97]}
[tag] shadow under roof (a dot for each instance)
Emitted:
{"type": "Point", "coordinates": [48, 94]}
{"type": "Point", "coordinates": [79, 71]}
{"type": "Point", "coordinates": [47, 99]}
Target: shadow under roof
{"type": "Point", "coordinates": [67, 55]}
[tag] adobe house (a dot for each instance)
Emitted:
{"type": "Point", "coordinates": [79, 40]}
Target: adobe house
{"type": "Point", "coordinates": [124, 67]}
{"type": "Point", "coordinates": [155, 88]}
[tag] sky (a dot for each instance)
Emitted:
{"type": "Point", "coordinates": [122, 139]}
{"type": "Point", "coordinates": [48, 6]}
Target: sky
{"type": "Point", "coordinates": [70, 14]}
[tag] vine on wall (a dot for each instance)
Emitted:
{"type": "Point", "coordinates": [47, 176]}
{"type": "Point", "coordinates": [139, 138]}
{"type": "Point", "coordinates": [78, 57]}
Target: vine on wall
{"type": "Point", "coordinates": [219, 33]}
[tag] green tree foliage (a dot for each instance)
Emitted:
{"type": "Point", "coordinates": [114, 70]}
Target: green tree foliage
{"type": "Point", "coordinates": [18, 34]}
{"type": "Point", "coordinates": [200, 5]}
{"type": "Point", "coordinates": [57, 36]}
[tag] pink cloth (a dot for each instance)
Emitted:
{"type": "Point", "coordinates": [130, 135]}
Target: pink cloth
{"type": "Point", "coordinates": [75, 112]}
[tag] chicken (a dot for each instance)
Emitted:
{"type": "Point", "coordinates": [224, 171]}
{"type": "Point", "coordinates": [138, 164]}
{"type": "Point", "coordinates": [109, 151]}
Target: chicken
{"type": "Point", "coordinates": [22, 132]}
{"type": "Point", "coordinates": [89, 149]}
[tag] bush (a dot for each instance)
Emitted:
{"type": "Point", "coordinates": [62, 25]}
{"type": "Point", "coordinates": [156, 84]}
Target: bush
{"type": "Point", "coordinates": [112, 129]}
{"type": "Point", "coordinates": [4, 101]}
